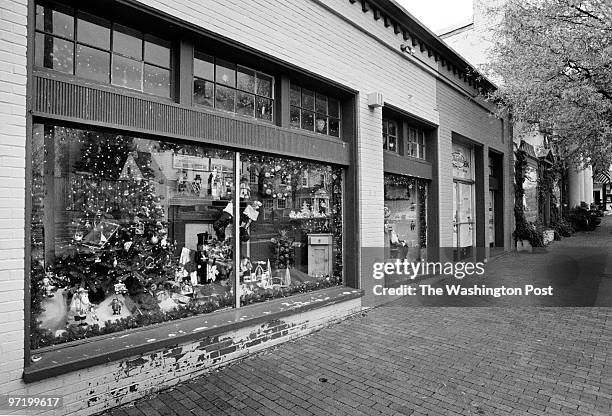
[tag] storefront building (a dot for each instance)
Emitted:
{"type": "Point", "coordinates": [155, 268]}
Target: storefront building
{"type": "Point", "coordinates": [186, 184]}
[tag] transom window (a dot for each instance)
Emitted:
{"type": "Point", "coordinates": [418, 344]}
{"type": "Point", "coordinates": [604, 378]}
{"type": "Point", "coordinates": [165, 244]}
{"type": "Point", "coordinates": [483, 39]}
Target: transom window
{"type": "Point", "coordinates": [78, 43]}
{"type": "Point", "coordinates": [230, 87]}
{"type": "Point", "coordinates": [313, 111]}
{"type": "Point", "coordinates": [416, 142]}
{"type": "Point", "coordinates": [390, 135]}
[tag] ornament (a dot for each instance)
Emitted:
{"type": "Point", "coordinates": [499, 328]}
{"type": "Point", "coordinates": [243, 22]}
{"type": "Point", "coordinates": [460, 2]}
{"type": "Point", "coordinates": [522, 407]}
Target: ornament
{"type": "Point", "coordinates": [154, 239]}
{"type": "Point", "coordinates": [115, 262]}
{"type": "Point", "coordinates": [140, 228]}
{"type": "Point", "coordinates": [211, 273]}
{"type": "Point", "coordinates": [164, 242]}
{"type": "Point", "coordinates": [149, 262]}
{"type": "Point", "coordinates": [78, 236]}
{"type": "Point", "coordinates": [128, 245]}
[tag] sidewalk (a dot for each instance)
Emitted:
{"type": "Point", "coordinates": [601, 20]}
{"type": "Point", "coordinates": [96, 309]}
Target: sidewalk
{"type": "Point", "coordinates": [417, 360]}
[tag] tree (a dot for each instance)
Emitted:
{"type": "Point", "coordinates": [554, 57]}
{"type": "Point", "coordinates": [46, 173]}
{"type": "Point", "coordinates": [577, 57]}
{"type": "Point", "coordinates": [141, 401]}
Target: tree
{"type": "Point", "coordinates": [554, 60]}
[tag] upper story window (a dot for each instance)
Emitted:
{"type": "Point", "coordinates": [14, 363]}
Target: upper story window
{"type": "Point", "coordinates": [313, 111]}
{"type": "Point", "coordinates": [75, 42]}
{"type": "Point", "coordinates": [230, 87]}
{"type": "Point", "coordinates": [416, 142]}
{"type": "Point", "coordinates": [390, 135]}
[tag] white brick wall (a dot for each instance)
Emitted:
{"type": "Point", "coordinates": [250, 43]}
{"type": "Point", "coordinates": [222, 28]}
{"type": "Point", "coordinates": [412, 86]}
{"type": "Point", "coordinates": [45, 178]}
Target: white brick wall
{"type": "Point", "coordinates": [13, 16]}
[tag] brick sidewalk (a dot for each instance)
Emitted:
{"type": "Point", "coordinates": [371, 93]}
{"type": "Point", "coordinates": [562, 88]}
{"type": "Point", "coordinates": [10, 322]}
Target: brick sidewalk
{"type": "Point", "coordinates": [405, 360]}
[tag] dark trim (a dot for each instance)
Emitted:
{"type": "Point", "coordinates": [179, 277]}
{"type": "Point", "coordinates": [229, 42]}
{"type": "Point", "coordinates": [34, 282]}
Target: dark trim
{"type": "Point", "coordinates": [74, 356]}
{"type": "Point", "coordinates": [28, 185]}
{"type": "Point", "coordinates": [433, 203]}
{"type": "Point", "coordinates": [480, 205]}
{"type": "Point", "coordinates": [407, 166]}
{"type": "Point", "coordinates": [283, 101]}
{"type": "Point", "coordinates": [185, 73]}
{"type": "Point", "coordinates": [78, 102]}
{"type": "Point", "coordinates": [352, 248]}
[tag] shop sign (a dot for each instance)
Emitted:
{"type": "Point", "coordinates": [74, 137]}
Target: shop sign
{"type": "Point", "coordinates": [461, 161]}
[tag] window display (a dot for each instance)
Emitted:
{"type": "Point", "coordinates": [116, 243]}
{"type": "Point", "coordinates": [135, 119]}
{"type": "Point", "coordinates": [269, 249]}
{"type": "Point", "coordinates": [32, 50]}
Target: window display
{"type": "Point", "coordinates": [296, 244]}
{"type": "Point", "coordinates": [405, 217]}
{"type": "Point", "coordinates": [128, 232]}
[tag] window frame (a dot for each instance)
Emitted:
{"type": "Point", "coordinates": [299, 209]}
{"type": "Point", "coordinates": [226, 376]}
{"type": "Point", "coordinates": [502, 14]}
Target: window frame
{"type": "Point", "coordinates": [385, 128]}
{"type": "Point", "coordinates": [77, 14]}
{"type": "Point", "coordinates": [316, 93]}
{"type": "Point", "coordinates": [236, 89]}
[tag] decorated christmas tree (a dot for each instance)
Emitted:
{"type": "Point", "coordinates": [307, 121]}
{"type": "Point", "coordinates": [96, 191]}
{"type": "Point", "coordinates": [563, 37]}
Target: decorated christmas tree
{"type": "Point", "coordinates": [119, 243]}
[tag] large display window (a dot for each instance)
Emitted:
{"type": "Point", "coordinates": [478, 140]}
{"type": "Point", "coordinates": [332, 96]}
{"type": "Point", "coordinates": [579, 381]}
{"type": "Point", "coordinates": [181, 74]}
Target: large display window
{"type": "Point", "coordinates": [405, 217]}
{"type": "Point", "coordinates": [129, 231]}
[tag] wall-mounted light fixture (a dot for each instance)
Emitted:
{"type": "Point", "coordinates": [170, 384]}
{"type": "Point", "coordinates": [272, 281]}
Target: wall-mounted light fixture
{"type": "Point", "coordinates": [375, 99]}
{"type": "Point", "coordinates": [407, 48]}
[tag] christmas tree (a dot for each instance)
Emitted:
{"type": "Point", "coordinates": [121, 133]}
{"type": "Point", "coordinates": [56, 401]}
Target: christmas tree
{"type": "Point", "coordinates": [120, 232]}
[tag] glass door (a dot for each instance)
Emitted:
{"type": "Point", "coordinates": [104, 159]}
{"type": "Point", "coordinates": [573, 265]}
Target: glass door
{"type": "Point", "coordinates": [464, 224]}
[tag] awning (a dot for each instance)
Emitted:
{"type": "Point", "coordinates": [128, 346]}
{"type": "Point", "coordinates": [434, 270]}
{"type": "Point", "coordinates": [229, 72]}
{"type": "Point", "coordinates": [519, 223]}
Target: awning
{"type": "Point", "coordinates": [602, 177]}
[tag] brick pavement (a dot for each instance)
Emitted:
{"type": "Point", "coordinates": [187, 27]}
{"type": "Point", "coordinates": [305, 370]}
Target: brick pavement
{"type": "Point", "coordinates": [407, 360]}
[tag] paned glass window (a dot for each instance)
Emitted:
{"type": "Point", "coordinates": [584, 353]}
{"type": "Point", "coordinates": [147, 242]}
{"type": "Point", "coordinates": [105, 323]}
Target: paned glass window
{"type": "Point", "coordinates": [313, 111]}
{"type": "Point", "coordinates": [416, 142]}
{"type": "Point", "coordinates": [390, 135]}
{"type": "Point", "coordinates": [75, 42]}
{"type": "Point", "coordinates": [233, 88]}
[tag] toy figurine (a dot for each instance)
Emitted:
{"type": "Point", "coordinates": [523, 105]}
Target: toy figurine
{"type": "Point", "coordinates": [246, 269]}
{"type": "Point", "coordinates": [182, 182]}
{"type": "Point", "coordinates": [245, 190]}
{"type": "Point", "coordinates": [48, 287]}
{"type": "Point", "coordinates": [80, 305]}
{"type": "Point", "coordinates": [116, 306]}
{"type": "Point", "coordinates": [197, 184]}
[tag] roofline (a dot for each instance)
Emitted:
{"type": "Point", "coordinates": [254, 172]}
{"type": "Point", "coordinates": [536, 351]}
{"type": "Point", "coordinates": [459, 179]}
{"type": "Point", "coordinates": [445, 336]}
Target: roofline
{"type": "Point", "coordinates": [456, 28]}
{"type": "Point", "coordinates": [413, 25]}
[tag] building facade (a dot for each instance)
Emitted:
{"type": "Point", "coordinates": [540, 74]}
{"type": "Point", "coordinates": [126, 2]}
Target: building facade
{"type": "Point", "coordinates": [186, 183]}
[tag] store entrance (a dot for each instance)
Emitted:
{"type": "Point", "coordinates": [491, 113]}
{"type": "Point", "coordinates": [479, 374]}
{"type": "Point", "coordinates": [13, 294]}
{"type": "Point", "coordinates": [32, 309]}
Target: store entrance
{"type": "Point", "coordinates": [464, 227]}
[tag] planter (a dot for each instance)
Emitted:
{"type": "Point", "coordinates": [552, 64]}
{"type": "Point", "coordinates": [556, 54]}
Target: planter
{"type": "Point", "coordinates": [524, 245]}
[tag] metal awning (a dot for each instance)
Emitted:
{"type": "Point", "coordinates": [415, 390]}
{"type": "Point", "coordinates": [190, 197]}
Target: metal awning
{"type": "Point", "coordinates": [602, 177]}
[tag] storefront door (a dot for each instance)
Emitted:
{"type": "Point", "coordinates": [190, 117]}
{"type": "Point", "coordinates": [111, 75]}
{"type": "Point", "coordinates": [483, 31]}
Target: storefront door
{"type": "Point", "coordinates": [464, 221]}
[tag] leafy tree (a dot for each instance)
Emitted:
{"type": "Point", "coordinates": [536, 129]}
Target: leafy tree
{"type": "Point", "coordinates": [554, 62]}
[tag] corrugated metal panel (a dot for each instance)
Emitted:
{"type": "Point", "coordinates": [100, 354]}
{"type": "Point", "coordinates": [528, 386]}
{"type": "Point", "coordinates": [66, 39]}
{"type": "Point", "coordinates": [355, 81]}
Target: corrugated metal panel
{"type": "Point", "coordinates": [70, 101]}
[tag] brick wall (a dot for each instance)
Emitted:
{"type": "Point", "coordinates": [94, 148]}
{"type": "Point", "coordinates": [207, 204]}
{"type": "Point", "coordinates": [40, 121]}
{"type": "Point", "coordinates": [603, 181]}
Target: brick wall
{"type": "Point", "coordinates": [13, 15]}
{"type": "Point", "coordinates": [101, 387]}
